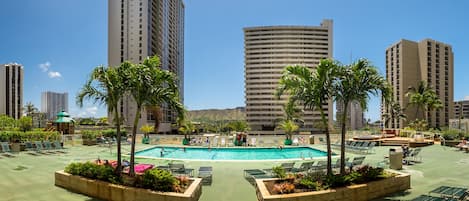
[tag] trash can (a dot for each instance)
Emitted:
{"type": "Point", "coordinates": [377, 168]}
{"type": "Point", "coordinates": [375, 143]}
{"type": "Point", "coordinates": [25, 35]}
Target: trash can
{"type": "Point", "coordinates": [395, 159]}
{"type": "Point", "coordinates": [311, 139]}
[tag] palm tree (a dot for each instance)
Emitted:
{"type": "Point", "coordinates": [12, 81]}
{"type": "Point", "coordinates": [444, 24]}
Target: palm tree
{"type": "Point", "coordinates": [313, 90]}
{"type": "Point", "coordinates": [239, 126]}
{"type": "Point", "coordinates": [418, 97]}
{"type": "Point", "coordinates": [186, 128]}
{"type": "Point", "coordinates": [29, 109]}
{"type": "Point", "coordinates": [289, 126]}
{"type": "Point", "coordinates": [424, 98]}
{"type": "Point", "coordinates": [149, 85]}
{"type": "Point", "coordinates": [356, 83]}
{"type": "Point", "coordinates": [395, 113]}
{"type": "Point", "coordinates": [157, 115]}
{"type": "Point", "coordinates": [106, 85]}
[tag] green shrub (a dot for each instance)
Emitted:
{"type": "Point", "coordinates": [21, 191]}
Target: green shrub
{"type": "Point", "coordinates": [354, 177]}
{"type": "Point", "coordinates": [12, 136]}
{"type": "Point", "coordinates": [90, 134]}
{"type": "Point", "coordinates": [451, 135]}
{"type": "Point", "coordinates": [113, 133]}
{"type": "Point", "coordinates": [73, 168]}
{"type": "Point", "coordinates": [369, 173]}
{"type": "Point", "coordinates": [279, 172]}
{"type": "Point", "coordinates": [160, 180]}
{"type": "Point", "coordinates": [309, 184]}
{"type": "Point", "coordinates": [333, 181]}
{"type": "Point", "coordinates": [93, 171]}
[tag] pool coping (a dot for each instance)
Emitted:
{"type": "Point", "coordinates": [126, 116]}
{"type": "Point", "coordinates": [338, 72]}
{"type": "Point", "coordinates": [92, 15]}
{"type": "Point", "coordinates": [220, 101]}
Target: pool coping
{"type": "Point", "coordinates": [256, 161]}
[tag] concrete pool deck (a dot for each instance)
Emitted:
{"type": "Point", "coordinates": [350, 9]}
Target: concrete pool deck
{"type": "Point", "coordinates": [27, 177]}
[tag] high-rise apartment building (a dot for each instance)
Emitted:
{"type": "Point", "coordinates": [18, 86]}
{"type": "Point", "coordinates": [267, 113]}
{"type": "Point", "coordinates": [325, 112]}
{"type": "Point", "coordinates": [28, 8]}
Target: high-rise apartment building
{"type": "Point", "coordinates": [268, 50]}
{"type": "Point", "coordinates": [461, 109]}
{"type": "Point", "coordinates": [11, 90]}
{"type": "Point", "coordinates": [142, 28]}
{"type": "Point", "coordinates": [408, 63]}
{"type": "Point", "coordinates": [52, 103]}
{"type": "Point", "coordinates": [355, 117]}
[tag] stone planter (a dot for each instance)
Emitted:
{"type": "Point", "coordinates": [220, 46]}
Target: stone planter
{"type": "Point", "coordinates": [360, 192]}
{"type": "Point", "coordinates": [15, 147]}
{"type": "Point", "coordinates": [107, 191]}
{"type": "Point", "coordinates": [89, 142]}
{"type": "Point", "coordinates": [451, 143]}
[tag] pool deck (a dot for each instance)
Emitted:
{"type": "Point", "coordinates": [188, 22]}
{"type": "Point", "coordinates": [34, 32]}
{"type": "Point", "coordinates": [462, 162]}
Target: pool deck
{"type": "Point", "coordinates": [27, 177]}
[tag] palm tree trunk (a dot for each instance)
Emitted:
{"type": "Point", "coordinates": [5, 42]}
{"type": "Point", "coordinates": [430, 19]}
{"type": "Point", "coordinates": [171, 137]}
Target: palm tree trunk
{"type": "Point", "coordinates": [118, 130]}
{"type": "Point", "coordinates": [342, 137]}
{"type": "Point", "coordinates": [328, 142]}
{"type": "Point", "coordinates": [417, 112]}
{"type": "Point", "coordinates": [156, 114]}
{"type": "Point", "coordinates": [134, 137]}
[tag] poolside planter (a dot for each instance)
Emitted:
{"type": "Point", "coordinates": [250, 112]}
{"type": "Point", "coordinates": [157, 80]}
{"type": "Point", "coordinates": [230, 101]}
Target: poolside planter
{"type": "Point", "coordinates": [107, 191]}
{"type": "Point", "coordinates": [89, 142]}
{"type": "Point", "coordinates": [360, 192]}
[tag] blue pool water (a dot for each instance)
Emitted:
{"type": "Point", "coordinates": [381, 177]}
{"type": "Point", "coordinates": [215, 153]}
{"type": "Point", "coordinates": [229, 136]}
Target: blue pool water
{"type": "Point", "coordinates": [192, 153]}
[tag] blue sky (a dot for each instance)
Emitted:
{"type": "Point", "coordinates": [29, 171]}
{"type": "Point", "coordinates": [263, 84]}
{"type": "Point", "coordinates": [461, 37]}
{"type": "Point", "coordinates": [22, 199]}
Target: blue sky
{"type": "Point", "coordinates": [70, 38]}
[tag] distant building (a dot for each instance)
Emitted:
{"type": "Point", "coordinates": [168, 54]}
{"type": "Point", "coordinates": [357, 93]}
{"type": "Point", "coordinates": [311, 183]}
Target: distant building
{"type": "Point", "coordinates": [461, 109]}
{"type": "Point", "coordinates": [456, 124]}
{"type": "Point", "coordinates": [52, 103]}
{"type": "Point", "coordinates": [138, 29]}
{"type": "Point", "coordinates": [355, 117]}
{"type": "Point", "coordinates": [267, 51]}
{"type": "Point", "coordinates": [11, 90]}
{"type": "Point", "coordinates": [408, 63]}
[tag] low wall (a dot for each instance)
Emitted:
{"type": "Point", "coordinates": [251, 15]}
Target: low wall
{"type": "Point", "coordinates": [360, 192]}
{"type": "Point", "coordinates": [107, 191]}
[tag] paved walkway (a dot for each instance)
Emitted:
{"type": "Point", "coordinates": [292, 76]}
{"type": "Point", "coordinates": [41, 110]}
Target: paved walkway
{"type": "Point", "coordinates": [28, 177]}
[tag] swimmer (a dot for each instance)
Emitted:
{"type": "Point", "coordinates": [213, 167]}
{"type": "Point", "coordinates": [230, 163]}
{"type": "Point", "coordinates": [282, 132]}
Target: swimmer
{"type": "Point", "coordinates": [184, 149]}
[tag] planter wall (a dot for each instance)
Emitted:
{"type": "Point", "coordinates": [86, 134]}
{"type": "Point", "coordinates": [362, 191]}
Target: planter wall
{"type": "Point", "coordinates": [89, 142]}
{"type": "Point", "coordinates": [360, 192]}
{"type": "Point", "coordinates": [452, 143]}
{"type": "Point", "coordinates": [107, 191]}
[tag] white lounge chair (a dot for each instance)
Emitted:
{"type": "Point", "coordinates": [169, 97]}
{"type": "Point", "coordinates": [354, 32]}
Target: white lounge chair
{"type": "Point", "coordinates": [253, 141]}
{"type": "Point", "coordinates": [295, 141]}
{"type": "Point", "coordinates": [222, 142]}
{"type": "Point", "coordinates": [215, 142]}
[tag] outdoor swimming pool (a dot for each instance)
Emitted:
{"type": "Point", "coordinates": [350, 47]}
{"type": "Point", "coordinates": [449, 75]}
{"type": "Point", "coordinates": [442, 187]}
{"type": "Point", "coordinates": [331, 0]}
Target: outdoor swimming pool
{"type": "Point", "coordinates": [231, 154]}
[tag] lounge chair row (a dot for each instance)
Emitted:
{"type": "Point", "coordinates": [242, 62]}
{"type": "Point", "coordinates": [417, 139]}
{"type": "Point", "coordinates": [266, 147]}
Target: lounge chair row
{"type": "Point", "coordinates": [50, 147]}
{"type": "Point", "coordinates": [178, 169]}
{"type": "Point", "coordinates": [5, 150]}
{"type": "Point", "coordinates": [309, 166]}
{"type": "Point", "coordinates": [358, 146]}
{"type": "Point", "coordinates": [444, 193]}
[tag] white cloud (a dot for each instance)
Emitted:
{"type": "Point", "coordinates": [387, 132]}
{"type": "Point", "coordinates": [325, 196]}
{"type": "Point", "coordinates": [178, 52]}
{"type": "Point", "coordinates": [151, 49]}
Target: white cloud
{"type": "Point", "coordinates": [466, 97]}
{"type": "Point", "coordinates": [45, 66]}
{"type": "Point", "coordinates": [92, 110]}
{"type": "Point", "coordinates": [54, 74]}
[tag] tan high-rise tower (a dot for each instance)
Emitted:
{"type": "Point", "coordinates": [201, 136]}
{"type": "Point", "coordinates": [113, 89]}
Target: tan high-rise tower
{"type": "Point", "coordinates": [142, 28]}
{"type": "Point", "coordinates": [409, 62]}
{"type": "Point", "coordinates": [268, 50]}
{"type": "Point", "coordinates": [11, 90]}
{"type": "Point", "coordinates": [53, 102]}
